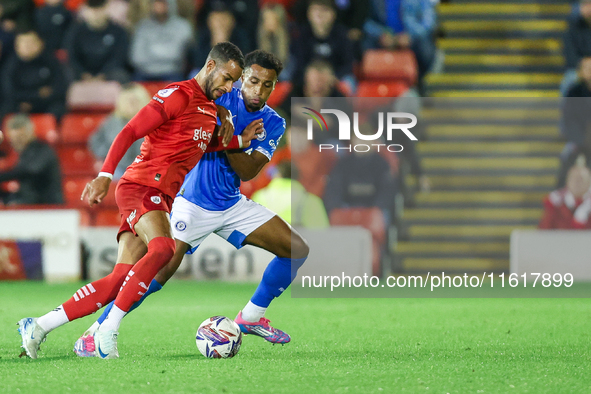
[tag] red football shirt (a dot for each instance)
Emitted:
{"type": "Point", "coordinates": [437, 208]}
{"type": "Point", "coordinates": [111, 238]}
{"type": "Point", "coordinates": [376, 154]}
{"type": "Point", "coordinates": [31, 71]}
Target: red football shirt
{"type": "Point", "coordinates": [178, 125]}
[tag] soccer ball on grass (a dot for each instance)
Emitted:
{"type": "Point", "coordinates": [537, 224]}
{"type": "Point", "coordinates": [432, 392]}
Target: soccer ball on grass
{"type": "Point", "coordinates": [218, 337]}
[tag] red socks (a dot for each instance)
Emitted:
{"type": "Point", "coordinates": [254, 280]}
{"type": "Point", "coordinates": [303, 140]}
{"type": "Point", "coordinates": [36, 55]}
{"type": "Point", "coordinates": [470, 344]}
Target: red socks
{"type": "Point", "coordinates": [160, 252]}
{"type": "Point", "coordinates": [124, 283]}
{"type": "Point", "coordinates": [93, 296]}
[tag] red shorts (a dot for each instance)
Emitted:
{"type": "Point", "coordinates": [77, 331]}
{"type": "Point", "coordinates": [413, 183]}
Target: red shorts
{"type": "Point", "coordinates": [134, 200]}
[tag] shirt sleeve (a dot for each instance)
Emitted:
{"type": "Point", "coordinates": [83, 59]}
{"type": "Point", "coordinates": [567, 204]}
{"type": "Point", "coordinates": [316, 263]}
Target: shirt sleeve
{"type": "Point", "coordinates": [172, 100]}
{"type": "Point", "coordinates": [165, 105]}
{"type": "Point", "coordinates": [269, 145]}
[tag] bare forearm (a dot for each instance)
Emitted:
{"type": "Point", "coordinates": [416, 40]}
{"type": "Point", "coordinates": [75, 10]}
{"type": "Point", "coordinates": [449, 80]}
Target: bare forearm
{"type": "Point", "coordinates": [245, 165]}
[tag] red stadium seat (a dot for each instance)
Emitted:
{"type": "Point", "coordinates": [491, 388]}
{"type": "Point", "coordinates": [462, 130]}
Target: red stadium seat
{"type": "Point", "coordinates": [379, 64]}
{"type": "Point", "coordinates": [383, 92]}
{"type": "Point", "coordinates": [370, 218]}
{"type": "Point", "coordinates": [45, 127]}
{"type": "Point", "coordinates": [73, 188]}
{"type": "Point", "coordinates": [93, 96]}
{"type": "Point", "coordinates": [281, 92]}
{"type": "Point", "coordinates": [76, 160]}
{"type": "Point", "coordinates": [77, 128]}
{"type": "Point", "coordinates": [107, 217]}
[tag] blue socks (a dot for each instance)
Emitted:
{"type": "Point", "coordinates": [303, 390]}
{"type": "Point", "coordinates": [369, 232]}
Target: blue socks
{"type": "Point", "coordinates": [278, 275]}
{"type": "Point", "coordinates": [153, 288]}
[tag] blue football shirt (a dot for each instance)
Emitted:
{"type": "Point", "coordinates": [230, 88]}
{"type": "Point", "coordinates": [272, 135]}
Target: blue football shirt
{"type": "Point", "coordinates": [213, 184]}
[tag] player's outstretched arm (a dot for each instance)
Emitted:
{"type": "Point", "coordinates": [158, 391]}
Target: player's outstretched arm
{"type": "Point", "coordinates": [143, 123]}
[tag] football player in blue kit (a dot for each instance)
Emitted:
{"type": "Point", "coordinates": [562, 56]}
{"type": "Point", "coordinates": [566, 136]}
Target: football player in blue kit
{"type": "Point", "coordinates": [210, 202]}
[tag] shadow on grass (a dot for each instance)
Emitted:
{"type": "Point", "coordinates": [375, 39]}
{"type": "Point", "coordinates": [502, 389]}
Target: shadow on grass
{"type": "Point", "coordinates": [25, 360]}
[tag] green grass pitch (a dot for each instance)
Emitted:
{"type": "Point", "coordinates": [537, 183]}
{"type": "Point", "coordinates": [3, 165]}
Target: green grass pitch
{"type": "Point", "coordinates": [338, 345]}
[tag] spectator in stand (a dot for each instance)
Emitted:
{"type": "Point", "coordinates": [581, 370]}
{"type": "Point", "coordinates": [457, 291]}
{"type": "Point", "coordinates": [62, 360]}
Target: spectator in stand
{"type": "Point", "coordinates": [326, 39]}
{"type": "Point", "coordinates": [273, 35]}
{"type": "Point", "coordinates": [384, 27]}
{"type": "Point", "coordinates": [576, 121]}
{"type": "Point", "coordinates": [33, 80]}
{"type": "Point", "coordinates": [361, 179]}
{"type": "Point", "coordinates": [351, 13]}
{"type": "Point", "coordinates": [221, 26]}
{"type": "Point", "coordinates": [17, 15]}
{"type": "Point", "coordinates": [404, 24]}
{"type": "Point", "coordinates": [131, 99]}
{"type": "Point", "coordinates": [319, 82]}
{"type": "Point", "coordinates": [286, 196]}
{"type": "Point", "coordinates": [570, 207]}
{"type": "Point", "coordinates": [97, 47]}
{"type": "Point", "coordinates": [37, 170]}
{"type": "Point", "coordinates": [160, 43]}
{"type": "Point", "coordinates": [577, 45]}
{"type": "Point", "coordinates": [141, 9]}
{"type": "Point", "coordinates": [52, 21]}
{"type": "Point", "coordinates": [246, 13]}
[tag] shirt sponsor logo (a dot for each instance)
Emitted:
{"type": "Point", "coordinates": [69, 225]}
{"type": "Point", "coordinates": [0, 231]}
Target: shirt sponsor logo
{"type": "Point", "coordinates": [166, 92]}
{"type": "Point", "coordinates": [199, 134]}
{"type": "Point", "coordinates": [156, 199]}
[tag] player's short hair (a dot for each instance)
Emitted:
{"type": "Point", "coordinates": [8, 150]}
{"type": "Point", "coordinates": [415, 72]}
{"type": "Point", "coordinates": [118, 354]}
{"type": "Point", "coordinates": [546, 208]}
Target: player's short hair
{"type": "Point", "coordinates": [264, 59]}
{"type": "Point", "coordinates": [225, 51]}
{"type": "Point", "coordinates": [19, 121]}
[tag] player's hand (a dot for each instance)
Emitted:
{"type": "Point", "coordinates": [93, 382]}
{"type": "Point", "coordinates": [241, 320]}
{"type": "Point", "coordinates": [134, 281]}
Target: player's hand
{"type": "Point", "coordinates": [226, 130]}
{"type": "Point", "coordinates": [96, 190]}
{"type": "Point", "coordinates": [251, 132]}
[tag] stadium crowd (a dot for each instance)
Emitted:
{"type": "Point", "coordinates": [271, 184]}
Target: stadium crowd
{"type": "Point", "coordinates": [80, 70]}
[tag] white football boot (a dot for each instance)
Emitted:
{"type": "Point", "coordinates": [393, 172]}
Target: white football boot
{"type": "Point", "coordinates": [105, 344]}
{"type": "Point", "coordinates": [32, 335]}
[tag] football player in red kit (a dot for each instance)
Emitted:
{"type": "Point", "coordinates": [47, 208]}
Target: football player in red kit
{"type": "Point", "coordinates": [179, 125]}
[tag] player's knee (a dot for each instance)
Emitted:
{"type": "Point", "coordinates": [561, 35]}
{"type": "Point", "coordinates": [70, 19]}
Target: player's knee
{"type": "Point", "coordinates": [299, 247]}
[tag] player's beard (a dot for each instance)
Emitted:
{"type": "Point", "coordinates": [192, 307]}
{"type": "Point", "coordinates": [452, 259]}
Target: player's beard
{"type": "Point", "coordinates": [209, 86]}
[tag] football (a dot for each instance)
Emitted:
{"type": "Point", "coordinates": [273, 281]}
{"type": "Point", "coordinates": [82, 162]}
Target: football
{"type": "Point", "coordinates": [218, 337]}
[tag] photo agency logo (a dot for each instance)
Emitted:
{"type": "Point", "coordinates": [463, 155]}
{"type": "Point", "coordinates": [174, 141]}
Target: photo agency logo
{"type": "Point", "coordinates": [393, 125]}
